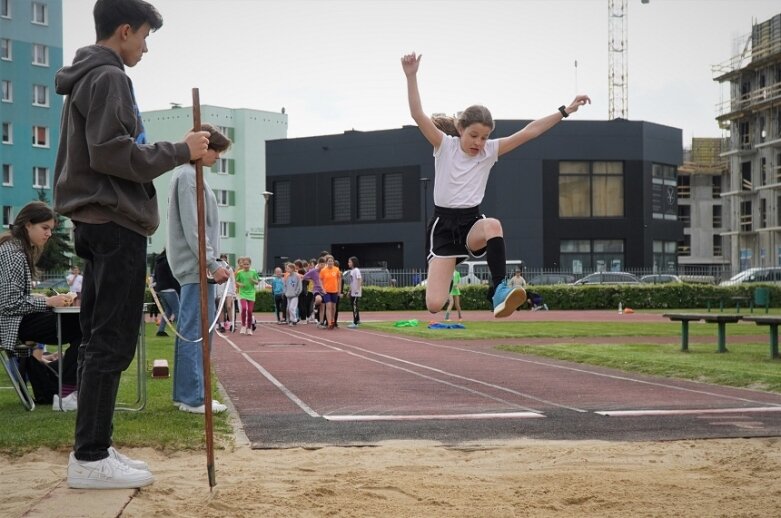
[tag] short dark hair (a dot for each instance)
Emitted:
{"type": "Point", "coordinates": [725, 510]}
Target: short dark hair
{"type": "Point", "coordinates": [217, 140]}
{"type": "Point", "coordinates": [110, 14]}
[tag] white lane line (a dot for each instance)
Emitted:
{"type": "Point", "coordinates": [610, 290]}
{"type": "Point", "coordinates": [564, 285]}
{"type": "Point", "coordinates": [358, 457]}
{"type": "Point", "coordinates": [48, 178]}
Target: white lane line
{"type": "Point", "coordinates": [266, 374]}
{"type": "Point", "coordinates": [415, 373]}
{"type": "Point", "coordinates": [500, 415]}
{"type": "Point", "coordinates": [632, 413]}
{"type": "Point", "coordinates": [575, 369]}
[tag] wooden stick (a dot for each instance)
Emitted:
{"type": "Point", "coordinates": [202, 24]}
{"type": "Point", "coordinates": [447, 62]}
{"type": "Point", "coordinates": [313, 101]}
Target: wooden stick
{"type": "Point", "coordinates": [207, 381]}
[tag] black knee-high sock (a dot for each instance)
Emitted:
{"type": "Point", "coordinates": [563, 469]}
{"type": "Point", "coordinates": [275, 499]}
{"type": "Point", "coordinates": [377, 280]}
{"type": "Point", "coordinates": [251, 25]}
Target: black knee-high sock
{"type": "Point", "coordinates": [495, 256]}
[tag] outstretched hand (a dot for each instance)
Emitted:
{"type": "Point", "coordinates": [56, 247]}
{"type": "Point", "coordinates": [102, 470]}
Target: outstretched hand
{"type": "Point", "coordinates": [579, 101]}
{"type": "Point", "coordinates": [410, 64]}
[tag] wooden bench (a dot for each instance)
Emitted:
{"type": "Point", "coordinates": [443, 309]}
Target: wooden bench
{"type": "Point", "coordinates": [772, 323]}
{"type": "Point", "coordinates": [720, 319]}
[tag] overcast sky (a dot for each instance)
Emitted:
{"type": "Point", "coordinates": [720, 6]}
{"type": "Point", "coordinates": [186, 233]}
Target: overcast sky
{"type": "Point", "coordinates": [334, 65]}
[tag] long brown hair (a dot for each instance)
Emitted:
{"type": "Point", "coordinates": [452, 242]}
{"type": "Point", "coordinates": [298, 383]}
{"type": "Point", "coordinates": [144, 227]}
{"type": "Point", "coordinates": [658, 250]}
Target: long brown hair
{"type": "Point", "coordinates": [34, 212]}
{"type": "Point", "coordinates": [475, 114]}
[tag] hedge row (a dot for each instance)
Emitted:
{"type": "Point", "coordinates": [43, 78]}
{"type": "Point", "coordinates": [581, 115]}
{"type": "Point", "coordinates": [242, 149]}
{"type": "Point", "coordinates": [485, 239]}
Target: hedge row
{"type": "Point", "coordinates": [665, 296]}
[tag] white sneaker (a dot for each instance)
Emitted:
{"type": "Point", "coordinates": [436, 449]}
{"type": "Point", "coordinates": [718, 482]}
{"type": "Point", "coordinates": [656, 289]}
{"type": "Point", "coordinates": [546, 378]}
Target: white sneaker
{"type": "Point", "coordinates": [69, 402]}
{"type": "Point", "coordinates": [108, 473]}
{"type": "Point", "coordinates": [127, 461]}
{"type": "Point", "coordinates": [249, 331]}
{"type": "Point", "coordinates": [243, 330]}
{"type": "Point", "coordinates": [217, 407]}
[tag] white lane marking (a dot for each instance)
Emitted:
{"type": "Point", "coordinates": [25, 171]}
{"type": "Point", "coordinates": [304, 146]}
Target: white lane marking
{"type": "Point", "coordinates": [266, 374]}
{"type": "Point", "coordinates": [631, 413]}
{"type": "Point", "coordinates": [309, 338]}
{"type": "Point", "coordinates": [500, 415]}
{"type": "Point", "coordinates": [575, 369]}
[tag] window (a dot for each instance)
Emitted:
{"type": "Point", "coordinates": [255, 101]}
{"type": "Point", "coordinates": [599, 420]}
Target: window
{"type": "Point", "coordinates": [685, 246]}
{"type": "Point", "coordinates": [340, 199]}
{"type": "Point", "coordinates": [591, 189]}
{"type": "Point", "coordinates": [7, 91]}
{"type": "Point", "coordinates": [40, 177]}
{"type": "Point", "coordinates": [716, 187]}
{"type": "Point", "coordinates": [40, 136]}
{"type": "Point", "coordinates": [5, 8]}
{"type": "Point", "coordinates": [745, 216]}
{"type": "Point", "coordinates": [227, 229]}
{"type": "Point", "coordinates": [685, 215]}
{"type": "Point", "coordinates": [717, 216]}
{"type": "Point", "coordinates": [40, 13]}
{"type": "Point", "coordinates": [582, 255]}
{"type": "Point", "coordinates": [280, 204]}
{"type": "Point", "coordinates": [223, 166]}
{"type": "Point", "coordinates": [392, 206]}
{"type": "Point", "coordinates": [40, 95]}
{"type": "Point", "coordinates": [665, 256]}
{"type": "Point", "coordinates": [762, 213]}
{"type": "Point", "coordinates": [8, 133]}
{"type": "Point", "coordinates": [5, 49]}
{"type": "Point", "coordinates": [8, 175]}
{"type": "Point", "coordinates": [717, 248]}
{"type": "Point", "coordinates": [40, 55]}
{"type": "Point", "coordinates": [684, 186]}
{"type": "Point", "coordinates": [367, 197]}
{"type": "Point", "coordinates": [665, 188]}
{"type": "Point", "coordinates": [7, 215]}
{"type": "Point", "coordinates": [225, 198]}
{"type": "Point", "coordinates": [745, 173]}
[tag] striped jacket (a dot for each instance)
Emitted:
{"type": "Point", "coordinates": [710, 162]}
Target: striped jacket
{"type": "Point", "coordinates": [16, 299]}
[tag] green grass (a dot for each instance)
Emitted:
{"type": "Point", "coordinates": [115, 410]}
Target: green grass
{"type": "Point", "coordinates": [160, 425]}
{"type": "Point", "coordinates": [747, 364]}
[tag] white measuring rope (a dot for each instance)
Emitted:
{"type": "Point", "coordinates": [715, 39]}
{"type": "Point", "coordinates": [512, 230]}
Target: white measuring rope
{"type": "Point", "coordinates": [168, 322]}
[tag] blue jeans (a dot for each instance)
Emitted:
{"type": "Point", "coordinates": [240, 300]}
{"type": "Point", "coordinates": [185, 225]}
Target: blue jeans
{"type": "Point", "coordinates": [188, 354]}
{"type": "Point", "coordinates": [111, 311]}
{"type": "Point", "coordinates": [170, 302]}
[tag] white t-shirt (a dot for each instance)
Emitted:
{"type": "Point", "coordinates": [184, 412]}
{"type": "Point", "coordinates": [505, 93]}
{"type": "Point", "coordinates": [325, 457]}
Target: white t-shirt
{"type": "Point", "coordinates": [460, 179]}
{"type": "Point", "coordinates": [355, 286]}
{"type": "Point", "coordinates": [75, 284]}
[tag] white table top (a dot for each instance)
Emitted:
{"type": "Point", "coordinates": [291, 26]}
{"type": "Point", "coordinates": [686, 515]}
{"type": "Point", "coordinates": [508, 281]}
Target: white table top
{"type": "Point", "coordinates": [67, 309]}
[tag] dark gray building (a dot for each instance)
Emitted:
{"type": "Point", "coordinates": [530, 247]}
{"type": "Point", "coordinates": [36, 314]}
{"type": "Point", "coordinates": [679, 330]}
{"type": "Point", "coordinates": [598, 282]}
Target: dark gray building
{"type": "Point", "coordinates": [585, 196]}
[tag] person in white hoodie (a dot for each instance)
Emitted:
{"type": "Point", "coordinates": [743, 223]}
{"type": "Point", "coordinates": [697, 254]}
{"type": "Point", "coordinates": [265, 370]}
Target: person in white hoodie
{"type": "Point", "coordinates": [182, 250]}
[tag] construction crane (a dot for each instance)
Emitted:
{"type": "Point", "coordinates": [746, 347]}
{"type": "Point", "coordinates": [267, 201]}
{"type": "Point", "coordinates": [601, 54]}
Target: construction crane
{"type": "Point", "coordinates": [618, 59]}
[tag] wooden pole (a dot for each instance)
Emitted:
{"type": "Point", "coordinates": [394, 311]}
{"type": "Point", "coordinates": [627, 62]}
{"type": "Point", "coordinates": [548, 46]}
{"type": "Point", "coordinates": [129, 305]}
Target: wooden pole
{"type": "Point", "coordinates": [207, 379]}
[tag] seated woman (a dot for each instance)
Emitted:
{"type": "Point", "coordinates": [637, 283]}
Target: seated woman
{"type": "Point", "coordinates": [26, 317]}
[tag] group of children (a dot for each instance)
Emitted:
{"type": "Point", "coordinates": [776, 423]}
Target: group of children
{"type": "Point", "coordinates": [309, 292]}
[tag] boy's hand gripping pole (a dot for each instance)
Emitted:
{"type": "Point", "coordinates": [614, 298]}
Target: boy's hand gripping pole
{"type": "Point", "coordinates": [207, 383]}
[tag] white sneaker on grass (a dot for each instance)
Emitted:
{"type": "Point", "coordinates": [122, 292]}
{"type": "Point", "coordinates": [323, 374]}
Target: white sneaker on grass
{"type": "Point", "coordinates": [69, 402]}
{"type": "Point", "coordinates": [127, 461]}
{"type": "Point", "coordinates": [108, 473]}
{"type": "Point", "coordinates": [217, 407]}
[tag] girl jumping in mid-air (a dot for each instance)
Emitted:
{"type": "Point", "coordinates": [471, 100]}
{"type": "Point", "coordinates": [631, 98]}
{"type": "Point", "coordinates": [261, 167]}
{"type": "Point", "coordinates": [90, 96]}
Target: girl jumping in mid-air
{"type": "Point", "coordinates": [463, 157]}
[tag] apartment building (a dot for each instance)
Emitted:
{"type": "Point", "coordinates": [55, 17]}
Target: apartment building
{"type": "Point", "coordinates": [752, 115]}
{"type": "Point", "coordinates": [701, 208]}
{"type": "Point", "coordinates": [238, 179]}
{"type": "Point", "coordinates": [30, 54]}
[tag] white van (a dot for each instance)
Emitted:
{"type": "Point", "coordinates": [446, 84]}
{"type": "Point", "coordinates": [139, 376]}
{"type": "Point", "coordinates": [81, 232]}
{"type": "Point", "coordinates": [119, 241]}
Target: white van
{"type": "Point", "coordinates": [477, 272]}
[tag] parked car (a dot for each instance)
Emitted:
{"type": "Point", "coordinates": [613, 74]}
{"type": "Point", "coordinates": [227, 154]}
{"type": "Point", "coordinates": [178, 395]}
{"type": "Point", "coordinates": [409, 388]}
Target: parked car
{"type": "Point", "coordinates": [551, 278]}
{"type": "Point", "coordinates": [660, 278]}
{"type": "Point", "coordinates": [371, 277]}
{"type": "Point", "coordinates": [770, 274]}
{"type": "Point", "coordinates": [608, 278]}
{"type": "Point", "coordinates": [477, 272]}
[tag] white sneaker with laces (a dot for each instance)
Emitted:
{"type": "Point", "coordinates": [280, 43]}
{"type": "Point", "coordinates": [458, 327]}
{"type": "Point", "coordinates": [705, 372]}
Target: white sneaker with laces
{"type": "Point", "coordinates": [69, 402]}
{"type": "Point", "coordinates": [243, 330]}
{"type": "Point", "coordinates": [127, 461]}
{"type": "Point", "coordinates": [108, 473]}
{"type": "Point", "coordinates": [217, 407]}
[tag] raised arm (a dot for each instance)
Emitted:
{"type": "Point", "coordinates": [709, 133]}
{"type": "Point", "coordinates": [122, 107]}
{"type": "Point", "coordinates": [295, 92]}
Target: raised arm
{"type": "Point", "coordinates": [410, 64]}
{"type": "Point", "coordinates": [536, 128]}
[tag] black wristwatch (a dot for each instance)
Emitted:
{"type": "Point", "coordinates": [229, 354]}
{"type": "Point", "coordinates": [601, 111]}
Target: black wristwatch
{"type": "Point", "coordinates": [563, 111]}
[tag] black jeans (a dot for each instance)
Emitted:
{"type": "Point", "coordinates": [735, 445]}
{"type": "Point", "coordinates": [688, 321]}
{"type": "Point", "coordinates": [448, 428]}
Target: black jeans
{"type": "Point", "coordinates": [356, 311]}
{"type": "Point", "coordinates": [111, 310]}
{"type": "Point", "coordinates": [280, 305]}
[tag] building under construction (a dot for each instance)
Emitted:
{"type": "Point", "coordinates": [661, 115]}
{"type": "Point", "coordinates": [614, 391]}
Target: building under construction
{"type": "Point", "coordinates": [751, 233]}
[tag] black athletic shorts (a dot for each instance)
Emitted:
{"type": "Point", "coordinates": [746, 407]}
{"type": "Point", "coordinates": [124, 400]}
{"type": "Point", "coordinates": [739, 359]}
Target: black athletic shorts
{"type": "Point", "coordinates": [447, 233]}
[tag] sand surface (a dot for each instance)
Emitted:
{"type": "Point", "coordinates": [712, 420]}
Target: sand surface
{"type": "Point", "coordinates": [725, 477]}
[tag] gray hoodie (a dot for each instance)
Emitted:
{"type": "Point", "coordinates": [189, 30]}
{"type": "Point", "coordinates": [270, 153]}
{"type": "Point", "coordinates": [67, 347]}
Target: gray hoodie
{"type": "Point", "coordinates": [104, 167]}
{"type": "Point", "coordinates": [182, 245]}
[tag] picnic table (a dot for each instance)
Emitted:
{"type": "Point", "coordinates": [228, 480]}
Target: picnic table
{"type": "Point", "coordinates": [720, 319]}
{"type": "Point", "coordinates": [772, 322]}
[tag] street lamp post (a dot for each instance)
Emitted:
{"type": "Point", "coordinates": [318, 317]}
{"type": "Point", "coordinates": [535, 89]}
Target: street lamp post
{"type": "Point", "coordinates": [266, 196]}
{"type": "Point", "coordinates": [424, 183]}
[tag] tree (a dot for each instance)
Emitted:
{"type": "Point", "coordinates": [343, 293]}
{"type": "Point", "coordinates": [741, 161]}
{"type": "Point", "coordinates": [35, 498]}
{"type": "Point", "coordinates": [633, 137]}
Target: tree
{"type": "Point", "coordinates": [58, 252]}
